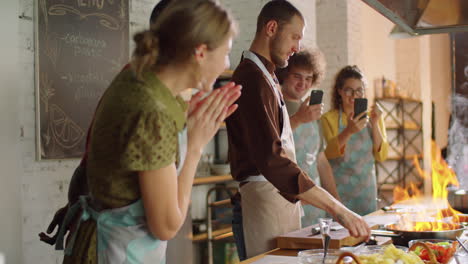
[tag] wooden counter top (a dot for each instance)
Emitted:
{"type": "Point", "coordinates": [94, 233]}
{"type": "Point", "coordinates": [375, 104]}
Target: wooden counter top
{"type": "Point", "coordinates": [376, 218]}
{"type": "Point", "coordinates": [212, 179]}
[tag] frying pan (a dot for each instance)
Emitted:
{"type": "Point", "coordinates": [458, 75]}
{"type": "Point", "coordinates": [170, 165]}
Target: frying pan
{"type": "Point", "coordinates": [402, 237]}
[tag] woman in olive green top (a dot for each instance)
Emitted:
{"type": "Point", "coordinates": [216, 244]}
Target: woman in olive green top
{"type": "Point", "coordinates": [139, 170]}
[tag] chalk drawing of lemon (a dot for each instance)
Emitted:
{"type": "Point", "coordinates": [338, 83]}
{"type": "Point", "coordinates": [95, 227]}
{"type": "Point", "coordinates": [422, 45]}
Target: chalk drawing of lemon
{"type": "Point", "coordinates": [65, 131]}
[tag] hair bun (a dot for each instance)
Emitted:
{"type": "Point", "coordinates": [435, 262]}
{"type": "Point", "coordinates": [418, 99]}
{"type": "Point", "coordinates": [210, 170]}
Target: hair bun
{"type": "Point", "coordinates": [146, 42]}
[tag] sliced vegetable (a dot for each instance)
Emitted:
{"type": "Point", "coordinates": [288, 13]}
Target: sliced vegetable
{"type": "Point", "coordinates": [442, 250]}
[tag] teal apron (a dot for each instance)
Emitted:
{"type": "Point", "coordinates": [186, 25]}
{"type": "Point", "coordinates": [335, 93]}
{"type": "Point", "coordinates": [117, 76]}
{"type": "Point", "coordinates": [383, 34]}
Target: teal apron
{"type": "Point", "coordinates": [355, 172]}
{"type": "Point", "coordinates": [308, 145]}
{"type": "Point", "coordinates": [122, 233]}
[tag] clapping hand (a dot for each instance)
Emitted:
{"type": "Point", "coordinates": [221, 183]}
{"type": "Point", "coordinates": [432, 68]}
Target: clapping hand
{"type": "Point", "coordinates": [205, 115]}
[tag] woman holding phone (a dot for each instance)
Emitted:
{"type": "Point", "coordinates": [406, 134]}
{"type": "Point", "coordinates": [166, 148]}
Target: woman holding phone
{"type": "Point", "coordinates": [145, 142]}
{"type": "Point", "coordinates": [354, 142]}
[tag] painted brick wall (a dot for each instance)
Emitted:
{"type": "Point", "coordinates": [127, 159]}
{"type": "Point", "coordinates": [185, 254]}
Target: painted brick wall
{"type": "Point", "coordinates": [246, 12]}
{"type": "Point", "coordinates": [355, 47]}
{"type": "Point", "coordinates": [44, 183]}
{"type": "Point", "coordinates": [332, 39]}
{"type": "Point", "coordinates": [378, 50]}
{"type": "Point", "coordinates": [351, 33]}
{"type": "Point", "coordinates": [408, 61]}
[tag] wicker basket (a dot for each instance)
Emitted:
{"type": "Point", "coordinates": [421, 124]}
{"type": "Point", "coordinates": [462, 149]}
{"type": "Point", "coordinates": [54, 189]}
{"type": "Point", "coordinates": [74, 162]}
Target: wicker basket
{"type": "Point", "coordinates": [348, 254]}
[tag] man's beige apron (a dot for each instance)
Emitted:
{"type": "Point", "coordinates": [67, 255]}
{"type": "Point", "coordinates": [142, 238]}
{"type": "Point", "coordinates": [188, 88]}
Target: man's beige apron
{"type": "Point", "coordinates": [265, 213]}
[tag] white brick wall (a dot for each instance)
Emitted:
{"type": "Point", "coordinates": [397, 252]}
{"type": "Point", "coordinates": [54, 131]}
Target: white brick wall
{"type": "Point", "coordinates": [332, 39]}
{"type": "Point", "coordinates": [408, 61]}
{"type": "Point", "coordinates": [246, 12]}
{"type": "Point", "coordinates": [351, 33]}
{"type": "Point", "coordinates": [355, 52]}
{"type": "Point", "coordinates": [308, 10]}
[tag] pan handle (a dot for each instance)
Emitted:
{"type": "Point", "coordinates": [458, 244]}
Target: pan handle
{"type": "Point", "coordinates": [384, 233]}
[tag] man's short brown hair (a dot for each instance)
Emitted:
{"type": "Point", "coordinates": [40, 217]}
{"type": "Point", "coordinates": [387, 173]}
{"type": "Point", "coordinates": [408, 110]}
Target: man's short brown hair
{"type": "Point", "coordinates": [280, 11]}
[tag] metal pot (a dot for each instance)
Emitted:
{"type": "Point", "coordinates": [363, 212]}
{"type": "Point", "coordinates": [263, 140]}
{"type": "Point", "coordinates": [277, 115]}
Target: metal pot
{"type": "Point", "coordinates": [402, 237]}
{"type": "Point", "coordinates": [458, 199]}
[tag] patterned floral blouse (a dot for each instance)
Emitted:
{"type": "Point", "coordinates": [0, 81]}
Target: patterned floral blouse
{"type": "Point", "coordinates": [135, 129]}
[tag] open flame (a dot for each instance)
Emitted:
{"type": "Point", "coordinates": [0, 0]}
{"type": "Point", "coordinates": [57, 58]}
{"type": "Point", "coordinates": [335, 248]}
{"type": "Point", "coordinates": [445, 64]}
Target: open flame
{"type": "Point", "coordinates": [437, 206]}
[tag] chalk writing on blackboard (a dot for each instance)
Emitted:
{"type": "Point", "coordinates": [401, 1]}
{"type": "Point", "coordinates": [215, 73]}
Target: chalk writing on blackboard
{"type": "Point", "coordinates": [81, 46]}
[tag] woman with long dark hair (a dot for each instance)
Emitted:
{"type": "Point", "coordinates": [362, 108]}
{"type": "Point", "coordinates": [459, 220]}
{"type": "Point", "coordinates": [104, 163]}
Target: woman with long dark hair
{"type": "Point", "coordinates": [354, 142]}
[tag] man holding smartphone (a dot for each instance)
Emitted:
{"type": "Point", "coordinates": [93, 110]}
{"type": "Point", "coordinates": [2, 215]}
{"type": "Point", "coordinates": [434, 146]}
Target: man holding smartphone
{"type": "Point", "coordinates": [304, 73]}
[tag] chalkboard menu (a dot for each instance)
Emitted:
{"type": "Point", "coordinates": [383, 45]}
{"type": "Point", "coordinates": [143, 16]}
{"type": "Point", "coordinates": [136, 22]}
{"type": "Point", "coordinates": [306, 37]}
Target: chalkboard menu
{"type": "Point", "coordinates": [80, 46]}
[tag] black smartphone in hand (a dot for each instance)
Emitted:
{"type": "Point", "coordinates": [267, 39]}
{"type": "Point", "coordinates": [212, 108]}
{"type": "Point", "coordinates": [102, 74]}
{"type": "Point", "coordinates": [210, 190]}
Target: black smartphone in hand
{"type": "Point", "coordinates": [316, 97]}
{"type": "Point", "coordinates": [360, 105]}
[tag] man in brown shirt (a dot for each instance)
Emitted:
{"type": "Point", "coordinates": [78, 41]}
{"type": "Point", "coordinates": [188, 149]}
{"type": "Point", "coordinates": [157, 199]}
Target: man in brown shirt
{"type": "Point", "coordinates": [261, 149]}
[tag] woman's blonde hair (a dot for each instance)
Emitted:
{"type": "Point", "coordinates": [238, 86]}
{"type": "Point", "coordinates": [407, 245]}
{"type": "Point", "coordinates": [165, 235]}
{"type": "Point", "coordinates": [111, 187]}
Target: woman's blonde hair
{"type": "Point", "coordinates": [182, 26]}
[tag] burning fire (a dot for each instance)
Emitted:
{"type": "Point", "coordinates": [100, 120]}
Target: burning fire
{"type": "Point", "coordinates": [428, 220]}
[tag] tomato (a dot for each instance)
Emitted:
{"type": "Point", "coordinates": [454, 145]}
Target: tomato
{"type": "Point", "coordinates": [442, 250]}
{"type": "Point", "coordinates": [424, 255]}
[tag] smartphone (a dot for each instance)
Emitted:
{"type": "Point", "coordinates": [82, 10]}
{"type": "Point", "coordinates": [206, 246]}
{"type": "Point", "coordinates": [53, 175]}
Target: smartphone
{"type": "Point", "coordinates": [316, 97]}
{"type": "Point", "coordinates": [360, 105]}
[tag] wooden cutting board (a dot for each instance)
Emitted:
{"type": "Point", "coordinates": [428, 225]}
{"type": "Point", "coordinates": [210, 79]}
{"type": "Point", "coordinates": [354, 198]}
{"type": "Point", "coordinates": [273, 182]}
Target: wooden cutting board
{"type": "Point", "coordinates": [302, 239]}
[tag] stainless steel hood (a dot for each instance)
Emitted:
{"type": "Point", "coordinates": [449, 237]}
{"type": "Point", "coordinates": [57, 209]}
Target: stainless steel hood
{"type": "Point", "coordinates": [418, 17]}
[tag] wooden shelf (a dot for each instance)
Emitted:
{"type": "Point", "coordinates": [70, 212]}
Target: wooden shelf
{"type": "Point", "coordinates": [387, 187]}
{"type": "Point", "coordinates": [212, 179]}
{"type": "Point", "coordinates": [392, 99]}
{"type": "Point", "coordinates": [223, 236]}
{"type": "Point", "coordinates": [222, 203]}
{"type": "Point", "coordinates": [402, 127]}
{"type": "Point", "coordinates": [217, 235]}
{"type": "Point", "coordinates": [407, 157]}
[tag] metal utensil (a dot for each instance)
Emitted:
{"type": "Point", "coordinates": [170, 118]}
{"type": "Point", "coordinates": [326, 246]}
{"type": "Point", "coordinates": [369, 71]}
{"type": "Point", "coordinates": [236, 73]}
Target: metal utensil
{"type": "Point", "coordinates": [315, 231]}
{"type": "Point", "coordinates": [326, 243]}
{"type": "Point", "coordinates": [359, 247]}
{"type": "Point", "coordinates": [325, 224]}
{"type": "Point", "coordinates": [461, 243]}
{"type": "Point", "coordinates": [402, 237]}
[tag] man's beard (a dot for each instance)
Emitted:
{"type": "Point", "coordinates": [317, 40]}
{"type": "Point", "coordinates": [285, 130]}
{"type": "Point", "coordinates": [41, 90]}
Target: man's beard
{"type": "Point", "coordinates": [275, 51]}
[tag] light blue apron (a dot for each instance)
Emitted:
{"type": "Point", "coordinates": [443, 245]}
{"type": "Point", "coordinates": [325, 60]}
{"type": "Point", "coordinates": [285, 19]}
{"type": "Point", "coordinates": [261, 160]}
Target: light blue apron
{"type": "Point", "coordinates": [307, 140]}
{"type": "Point", "coordinates": [122, 233]}
{"type": "Point", "coordinates": [355, 172]}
